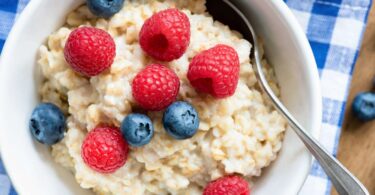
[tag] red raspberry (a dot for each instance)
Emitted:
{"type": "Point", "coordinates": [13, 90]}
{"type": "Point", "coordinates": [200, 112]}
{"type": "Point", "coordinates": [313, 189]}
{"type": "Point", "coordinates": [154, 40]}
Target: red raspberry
{"type": "Point", "coordinates": [89, 50]}
{"type": "Point", "coordinates": [155, 87]}
{"type": "Point", "coordinates": [215, 71]}
{"type": "Point", "coordinates": [165, 36]}
{"type": "Point", "coordinates": [228, 185]}
{"type": "Point", "coordinates": [104, 149]}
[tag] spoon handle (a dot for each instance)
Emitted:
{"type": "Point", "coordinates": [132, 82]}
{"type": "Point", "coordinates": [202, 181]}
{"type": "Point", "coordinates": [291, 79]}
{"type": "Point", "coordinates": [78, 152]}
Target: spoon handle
{"type": "Point", "coordinates": [344, 182]}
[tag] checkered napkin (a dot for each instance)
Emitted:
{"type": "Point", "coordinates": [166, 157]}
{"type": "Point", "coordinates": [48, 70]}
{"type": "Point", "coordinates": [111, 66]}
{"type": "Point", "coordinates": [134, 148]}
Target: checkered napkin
{"type": "Point", "coordinates": [334, 29]}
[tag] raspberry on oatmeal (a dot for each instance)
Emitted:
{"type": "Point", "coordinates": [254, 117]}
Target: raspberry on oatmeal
{"type": "Point", "coordinates": [89, 51]}
{"type": "Point", "coordinates": [215, 71]}
{"type": "Point", "coordinates": [165, 35]}
{"type": "Point", "coordinates": [155, 87]}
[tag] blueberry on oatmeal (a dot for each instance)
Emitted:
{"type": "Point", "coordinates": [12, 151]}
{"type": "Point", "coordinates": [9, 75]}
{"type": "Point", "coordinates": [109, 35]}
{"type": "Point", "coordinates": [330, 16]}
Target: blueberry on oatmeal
{"type": "Point", "coordinates": [105, 8]}
{"type": "Point", "coordinates": [181, 120]}
{"type": "Point", "coordinates": [137, 129]}
{"type": "Point", "coordinates": [47, 124]}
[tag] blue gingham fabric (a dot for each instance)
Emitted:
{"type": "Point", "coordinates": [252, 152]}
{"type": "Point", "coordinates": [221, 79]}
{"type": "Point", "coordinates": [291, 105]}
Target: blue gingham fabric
{"type": "Point", "coordinates": [334, 29]}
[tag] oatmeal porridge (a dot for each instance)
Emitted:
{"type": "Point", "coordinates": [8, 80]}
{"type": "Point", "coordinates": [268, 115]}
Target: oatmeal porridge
{"type": "Point", "coordinates": [240, 134]}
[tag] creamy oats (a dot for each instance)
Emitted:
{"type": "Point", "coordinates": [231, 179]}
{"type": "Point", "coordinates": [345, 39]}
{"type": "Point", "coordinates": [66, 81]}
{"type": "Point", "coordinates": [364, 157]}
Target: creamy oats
{"type": "Point", "coordinates": [240, 134]}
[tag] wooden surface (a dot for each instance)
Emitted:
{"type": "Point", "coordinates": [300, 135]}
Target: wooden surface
{"type": "Point", "coordinates": [357, 143]}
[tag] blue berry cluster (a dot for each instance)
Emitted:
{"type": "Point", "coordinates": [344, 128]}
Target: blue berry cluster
{"type": "Point", "coordinates": [180, 121]}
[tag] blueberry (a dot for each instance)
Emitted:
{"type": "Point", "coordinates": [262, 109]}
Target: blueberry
{"type": "Point", "coordinates": [364, 106]}
{"type": "Point", "coordinates": [105, 8]}
{"type": "Point", "coordinates": [181, 120]}
{"type": "Point", "coordinates": [137, 129]}
{"type": "Point", "coordinates": [47, 124]}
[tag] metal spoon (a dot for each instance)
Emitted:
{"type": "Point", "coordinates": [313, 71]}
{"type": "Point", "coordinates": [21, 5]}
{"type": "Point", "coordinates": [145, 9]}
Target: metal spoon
{"type": "Point", "coordinates": [342, 179]}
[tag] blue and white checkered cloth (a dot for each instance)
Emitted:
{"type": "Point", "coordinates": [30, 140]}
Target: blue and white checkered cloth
{"type": "Point", "coordinates": [334, 29]}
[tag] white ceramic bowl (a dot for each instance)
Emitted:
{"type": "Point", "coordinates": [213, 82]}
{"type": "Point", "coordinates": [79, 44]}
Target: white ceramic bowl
{"type": "Point", "coordinates": [30, 165]}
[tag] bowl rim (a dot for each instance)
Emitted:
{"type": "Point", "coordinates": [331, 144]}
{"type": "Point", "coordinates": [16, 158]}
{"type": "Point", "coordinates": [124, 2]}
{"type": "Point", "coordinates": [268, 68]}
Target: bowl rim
{"type": "Point", "coordinates": [289, 20]}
